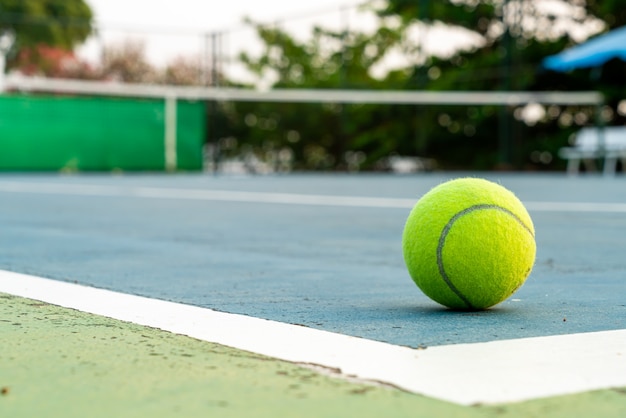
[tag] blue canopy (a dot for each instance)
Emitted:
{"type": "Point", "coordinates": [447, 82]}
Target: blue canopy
{"type": "Point", "coordinates": [592, 53]}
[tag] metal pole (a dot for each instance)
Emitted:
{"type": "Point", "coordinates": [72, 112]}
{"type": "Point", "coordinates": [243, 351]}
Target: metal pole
{"type": "Point", "coordinates": [215, 108]}
{"type": "Point", "coordinates": [345, 24]}
{"type": "Point", "coordinates": [504, 126]}
{"type": "Point", "coordinates": [344, 77]}
{"type": "Point", "coordinates": [2, 65]}
{"type": "Point", "coordinates": [206, 62]}
{"type": "Point", "coordinates": [595, 75]}
{"type": "Point", "coordinates": [7, 38]}
{"type": "Point", "coordinates": [420, 77]}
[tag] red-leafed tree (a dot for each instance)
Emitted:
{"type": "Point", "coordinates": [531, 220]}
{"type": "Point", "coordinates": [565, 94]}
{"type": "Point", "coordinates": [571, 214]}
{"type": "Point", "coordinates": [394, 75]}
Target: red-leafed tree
{"type": "Point", "coordinates": [42, 29]}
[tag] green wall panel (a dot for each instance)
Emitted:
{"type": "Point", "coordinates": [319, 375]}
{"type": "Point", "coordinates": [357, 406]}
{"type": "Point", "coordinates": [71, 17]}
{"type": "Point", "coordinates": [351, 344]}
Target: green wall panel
{"type": "Point", "coordinates": [42, 133]}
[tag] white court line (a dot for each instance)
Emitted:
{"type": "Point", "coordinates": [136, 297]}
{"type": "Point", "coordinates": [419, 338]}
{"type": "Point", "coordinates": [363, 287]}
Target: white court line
{"type": "Point", "coordinates": [275, 198]}
{"type": "Point", "coordinates": [481, 373]}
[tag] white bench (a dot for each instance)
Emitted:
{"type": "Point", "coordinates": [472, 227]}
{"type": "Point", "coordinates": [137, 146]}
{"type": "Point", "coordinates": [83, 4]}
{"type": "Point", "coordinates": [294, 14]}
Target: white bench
{"type": "Point", "coordinates": [588, 148]}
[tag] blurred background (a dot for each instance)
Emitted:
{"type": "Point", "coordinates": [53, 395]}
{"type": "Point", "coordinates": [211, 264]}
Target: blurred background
{"type": "Point", "coordinates": [399, 45]}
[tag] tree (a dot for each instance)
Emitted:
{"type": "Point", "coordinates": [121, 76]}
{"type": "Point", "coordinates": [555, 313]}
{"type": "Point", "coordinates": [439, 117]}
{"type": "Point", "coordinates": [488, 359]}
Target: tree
{"type": "Point", "coordinates": [54, 23]}
{"type": "Point", "coordinates": [184, 71]}
{"type": "Point", "coordinates": [516, 36]}
{"type": "Point", "coordinates": [53, 62]}
{"type": "Point", "coordinates": [511, 37]}
{"type": "Point", "coordinates": [319, 136]}
{"type": "Point", "coordinates": [127, 62]}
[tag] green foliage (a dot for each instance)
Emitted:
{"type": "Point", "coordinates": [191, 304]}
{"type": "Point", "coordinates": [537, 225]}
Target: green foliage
{"type": "Point", "coordinates": [516, 35]}
{"type": "Point", "coordinates": [473, 15]}
{"type": "Point", "coordinates": [611, 11]}
{"type": "Point", "coordinates": [319, 136]}
{"type": "Point", "coordinates": [58, 23]}
{"type": "Point", "coordinates": [479, 137]}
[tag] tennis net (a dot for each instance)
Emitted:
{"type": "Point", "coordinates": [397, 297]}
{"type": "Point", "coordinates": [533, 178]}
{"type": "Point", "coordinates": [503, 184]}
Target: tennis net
{"type": "Point", "coordinates": [313, 128]}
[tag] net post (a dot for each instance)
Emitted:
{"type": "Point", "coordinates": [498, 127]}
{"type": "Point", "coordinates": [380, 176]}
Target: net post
{"type": "Point", "coordinates": [7, 39]}
{"type": "Point", "coordinates": [170, 132]}
{"type": "Point", "coordinates": [2, 77]}
{"type": "Point", "coordinates": [215, 82]}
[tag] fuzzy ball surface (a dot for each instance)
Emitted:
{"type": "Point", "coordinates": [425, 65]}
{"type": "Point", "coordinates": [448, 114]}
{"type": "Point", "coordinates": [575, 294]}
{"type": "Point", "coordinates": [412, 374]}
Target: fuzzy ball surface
{"type": "Point", "coordinates": [469, 244]}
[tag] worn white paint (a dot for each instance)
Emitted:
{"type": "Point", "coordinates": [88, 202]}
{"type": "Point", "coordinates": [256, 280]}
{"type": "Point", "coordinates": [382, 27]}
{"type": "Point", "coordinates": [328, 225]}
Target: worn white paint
{"type": "Point", "coordinates": [480, 373]}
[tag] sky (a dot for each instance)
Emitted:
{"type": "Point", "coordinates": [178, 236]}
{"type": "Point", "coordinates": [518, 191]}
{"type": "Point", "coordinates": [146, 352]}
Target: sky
{"type": "Point", "coordinates": [202, 15]}
{"type": "Point", "coordinates": [179, 28]}
{"type": "Point", "coordinates": [171, 29]}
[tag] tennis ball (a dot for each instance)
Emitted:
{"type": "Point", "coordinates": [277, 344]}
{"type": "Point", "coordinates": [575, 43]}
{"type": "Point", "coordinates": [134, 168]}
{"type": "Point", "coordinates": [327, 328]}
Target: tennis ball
{"type": "Point", "coordinates": [469, 244]}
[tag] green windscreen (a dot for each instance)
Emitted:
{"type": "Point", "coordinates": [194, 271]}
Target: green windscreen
{"type": "Point", "coordinates": [42, 133]}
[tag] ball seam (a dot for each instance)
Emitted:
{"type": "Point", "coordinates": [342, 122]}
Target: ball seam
{"type": "Point", "coordinates": [446, 231]}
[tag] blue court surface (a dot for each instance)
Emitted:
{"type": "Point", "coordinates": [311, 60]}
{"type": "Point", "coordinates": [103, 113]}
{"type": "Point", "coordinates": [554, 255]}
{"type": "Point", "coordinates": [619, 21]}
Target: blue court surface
{"type": "Point", "coordinates": [323, 251]}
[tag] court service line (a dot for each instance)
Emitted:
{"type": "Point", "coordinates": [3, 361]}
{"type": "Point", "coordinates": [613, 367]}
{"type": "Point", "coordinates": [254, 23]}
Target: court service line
{"type": "Point", "coordinates": [272, 197]}
{"type": "Point", "coordinates": [487, 373]}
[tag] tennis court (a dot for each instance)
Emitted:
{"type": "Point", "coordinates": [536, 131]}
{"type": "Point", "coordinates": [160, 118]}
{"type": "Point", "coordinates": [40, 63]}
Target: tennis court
{"type": "Point", "coordinates": [320, 257]}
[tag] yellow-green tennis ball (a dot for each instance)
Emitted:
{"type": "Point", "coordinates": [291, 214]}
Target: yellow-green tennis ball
{"type": "Point", "coordinates": [469, 243]}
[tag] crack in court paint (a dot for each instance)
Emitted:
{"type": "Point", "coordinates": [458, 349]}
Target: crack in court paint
{"type": "Point", "coordinates": [446, 231]}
